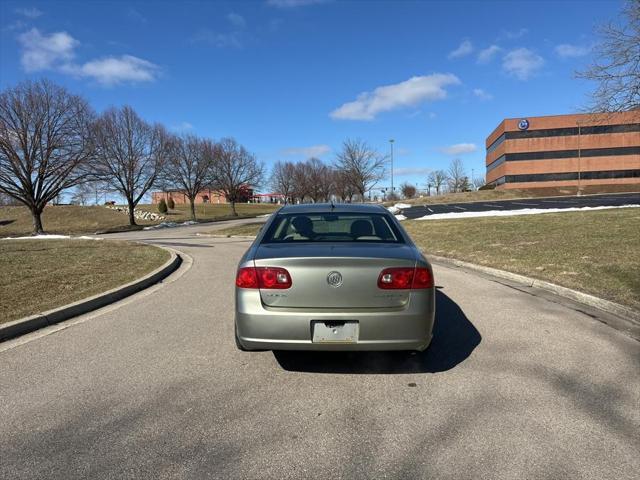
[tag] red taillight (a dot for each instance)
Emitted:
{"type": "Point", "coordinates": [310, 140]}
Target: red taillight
{"type": "Point", "coordinates": [263, 277]}
{"type": "Point", "coordinates": [247, 278]}
{"type": "Point", "coordinates": [403, 278]}
{"type": "Point", "coordinates": [422, 278]}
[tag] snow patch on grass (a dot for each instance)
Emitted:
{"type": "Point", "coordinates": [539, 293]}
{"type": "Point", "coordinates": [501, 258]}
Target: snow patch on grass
{"type": "Point", "coordinates": [509, 213]}
{"type": "Point", "coordinates": [52, 237]}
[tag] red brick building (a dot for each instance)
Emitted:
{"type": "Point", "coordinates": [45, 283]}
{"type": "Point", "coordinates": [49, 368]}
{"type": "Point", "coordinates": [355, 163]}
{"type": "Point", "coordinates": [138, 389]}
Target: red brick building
{"type": "Point", "coordinates": [207, 195]}
{"type": "Point", "coordinates": [565, 150]}
{"type": "Point", "coordinates": [178, 196]}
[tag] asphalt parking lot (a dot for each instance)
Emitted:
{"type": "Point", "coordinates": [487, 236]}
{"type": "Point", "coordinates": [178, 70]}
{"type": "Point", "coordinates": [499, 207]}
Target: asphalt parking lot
{"type": "Point", "coordinates": [513, 386]}
{"type": "Point", "coordinates": [606, 200]}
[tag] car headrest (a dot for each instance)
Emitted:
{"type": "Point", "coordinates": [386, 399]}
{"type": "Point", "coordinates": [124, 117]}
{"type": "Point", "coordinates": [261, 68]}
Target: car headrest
{"type": "Point", "coordinates": [361, 228]}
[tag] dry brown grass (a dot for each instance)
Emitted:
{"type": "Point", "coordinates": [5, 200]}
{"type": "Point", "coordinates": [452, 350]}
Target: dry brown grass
{"type": "Point", "coordinates": [247, 229]}
{"type": "Point", "coordinates": [208, 212]}
{"type": "Point", "coordinates": [62, 219]}
{"type": "Point", "coordinates": [38, 275]}
{"type": "Point", "coordinates": [595, 252]}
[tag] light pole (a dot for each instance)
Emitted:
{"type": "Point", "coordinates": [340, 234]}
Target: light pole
{"type": "Point", "coordinates": [473, 179]}
{"type": "Point", "coordinates": [391, 143]}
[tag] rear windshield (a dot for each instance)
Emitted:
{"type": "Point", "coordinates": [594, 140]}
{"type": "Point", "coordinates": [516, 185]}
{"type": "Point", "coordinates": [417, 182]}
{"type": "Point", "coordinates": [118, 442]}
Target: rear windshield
{"type": "Point", "coordinates": [332, 227]}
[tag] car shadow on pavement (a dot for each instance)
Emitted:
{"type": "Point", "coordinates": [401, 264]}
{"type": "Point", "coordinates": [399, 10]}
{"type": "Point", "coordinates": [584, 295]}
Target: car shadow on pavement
{"type": "Point", "coordinates": [454, 338]}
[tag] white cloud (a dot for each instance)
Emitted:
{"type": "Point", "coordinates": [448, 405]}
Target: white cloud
{"type": "Point", "coordinates": [512, 35]}
{"type": "Point", "coordinates": [116, 70]}
{"type": "Point", "coordinates": [465, 48]}
{"type": "Point", "coordinates": [31, 12]}
{"type": "Point", "coordinates": [56, 51]}
{"type": "Point", "coordinates": [135, 15]}
{"type": "Point", "coordinates": [487, 54]}
{"type": "Point", "coordinates": [566, 50]}
{"type": "Point", "coordinates": [459, 148]}
{"type": "Point", "coordinates": [391, 97]}
{"type": "Point", "coordinates": [220, 40]}
{"type": "Point", "coordinates": [412, 171]}
{"type": "Point", "coordinates": [293, 3]}
{"type": "Point", "coordinates": [42, 51]}
{"type": "Point", "coordinates": [236, 20]}
{"type": "Point", "coordinates": [182, 126]}
{"type": "Point", "coordinates": [312, 151]}
{"type": "Point", "coordinates": [522, 63]}
{"type": "Point", "coordinates": [481, 94]}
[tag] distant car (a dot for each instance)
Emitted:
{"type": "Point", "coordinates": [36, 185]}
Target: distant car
{"type": "Point", "coordinates": [343, 277]}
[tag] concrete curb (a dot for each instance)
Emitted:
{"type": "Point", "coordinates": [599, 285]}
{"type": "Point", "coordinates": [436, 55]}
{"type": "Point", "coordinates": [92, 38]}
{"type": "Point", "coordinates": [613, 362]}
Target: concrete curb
{"type": "Point", "coordinates": [212, 235]}
{"type": "Point", "coordinates": [584, 298]}
{"type": "Point", "coordinates": [51, 317]}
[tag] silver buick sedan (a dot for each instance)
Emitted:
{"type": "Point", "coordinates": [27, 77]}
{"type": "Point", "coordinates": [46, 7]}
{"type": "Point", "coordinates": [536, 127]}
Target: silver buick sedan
{"type": "Point", "coordinates": [334, 277]}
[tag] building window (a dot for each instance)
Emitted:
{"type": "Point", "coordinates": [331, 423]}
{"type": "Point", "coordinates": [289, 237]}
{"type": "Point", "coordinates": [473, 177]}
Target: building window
{"type": "Point", "coordinates": [549, 177]}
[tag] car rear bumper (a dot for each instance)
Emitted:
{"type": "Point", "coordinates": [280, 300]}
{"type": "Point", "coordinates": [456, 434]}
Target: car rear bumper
{"type": "Point", "coordinates": [264, 328]}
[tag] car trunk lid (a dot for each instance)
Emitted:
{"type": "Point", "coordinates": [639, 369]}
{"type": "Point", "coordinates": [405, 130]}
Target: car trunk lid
{"type": "Point", "coordinates": [335, 275]}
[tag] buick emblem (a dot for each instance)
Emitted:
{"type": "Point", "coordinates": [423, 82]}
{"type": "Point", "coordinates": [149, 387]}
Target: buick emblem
{"type": "Point", "coordinates": [334, 279]}
{"type": "Point", "coordinates": [523, 124]}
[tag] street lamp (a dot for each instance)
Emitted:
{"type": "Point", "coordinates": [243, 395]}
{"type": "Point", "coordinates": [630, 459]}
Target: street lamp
{"type": "Point", "coordinates": [391, 143]}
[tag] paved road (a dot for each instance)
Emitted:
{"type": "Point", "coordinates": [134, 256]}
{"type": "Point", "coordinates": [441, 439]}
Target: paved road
{"type": "Point", "coordinates": [514, 386]}
{"type": "Point", "coordinates": [607, 200]}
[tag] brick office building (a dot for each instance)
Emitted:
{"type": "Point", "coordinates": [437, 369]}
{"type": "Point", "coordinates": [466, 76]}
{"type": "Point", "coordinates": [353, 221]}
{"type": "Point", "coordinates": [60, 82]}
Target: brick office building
{"type": "Point", "coordinates": [565, 151]}
{"type": "Point", "coordinates": [180, 198]}
{"type": "Point", "coordinates": [206, 195]}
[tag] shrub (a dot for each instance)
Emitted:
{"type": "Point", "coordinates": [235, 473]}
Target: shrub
{"type": "Point", "coordinates": [162, 206]}
{"type": "Point", "coordinates": [171, 204]}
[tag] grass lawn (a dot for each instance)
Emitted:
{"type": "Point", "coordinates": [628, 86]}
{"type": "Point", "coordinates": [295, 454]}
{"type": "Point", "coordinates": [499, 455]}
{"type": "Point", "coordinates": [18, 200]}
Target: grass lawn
{"type": "Point", "coordinates": [247, 229]}
{"type": "Point", "coordinates": [492, 195]}
{"type": "Point", "coordinates": [207, 212]}
{"type": "Point", "coordinates": [595, 252]}
{"type": "Point", "coordinates": [38, 275]}
{"type": "Point", "coordinates": [62, 219]}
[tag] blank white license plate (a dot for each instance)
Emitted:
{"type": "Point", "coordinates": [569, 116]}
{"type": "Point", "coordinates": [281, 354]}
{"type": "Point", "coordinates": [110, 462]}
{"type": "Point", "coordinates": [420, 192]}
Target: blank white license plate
{"type": "Point", "coordinates": [335, 332]}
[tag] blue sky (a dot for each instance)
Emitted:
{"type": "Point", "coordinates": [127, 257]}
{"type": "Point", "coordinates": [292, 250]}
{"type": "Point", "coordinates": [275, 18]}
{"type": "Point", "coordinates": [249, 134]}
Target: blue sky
{"type": "Point", "coordinates": [293, 78]}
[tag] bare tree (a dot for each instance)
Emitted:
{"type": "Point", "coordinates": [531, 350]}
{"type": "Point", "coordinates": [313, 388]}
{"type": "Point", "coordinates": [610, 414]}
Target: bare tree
{"type": "Point", "coordinates": [477, 182]}
{"type": "Point", "coordinates": [437, 179]}
{"type": "Point", "coordinates": [189, 166]}
{"type": "Point", "coordinates": [234, 170]}
{"type": "Point", "coordinates": [343, 186]}
{"type": "Point", "coordinates": [363, 166]}
{"type": "Point", "coordinates": [44, 144]}
{"type": "Point", "coordinates": [282, 179]}
{"type": "Point", "coordinates": [7, 201]}
{"type": "Point", "coordinates": [408, 190]}
{"type": "Point", "coordinates": [82, 193]}
{"type": "Point", "coordinates": [616, 68]}
{"type": "Point", "coordinates": [456, 175]}
{"type": "Point", "coordinates": [301, 184]}
{"type": "Point", "coordinates": [319, 179]}
{"type": "Point", "coordinates": [130, 154]}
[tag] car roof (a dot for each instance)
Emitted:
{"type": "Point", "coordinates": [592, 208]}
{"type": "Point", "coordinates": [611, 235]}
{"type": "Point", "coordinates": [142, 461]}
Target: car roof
{"type": "Point", "coordinates": [336, 208]}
